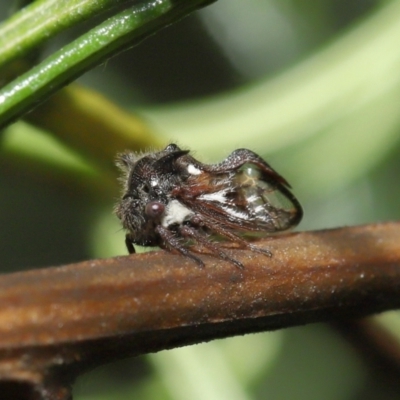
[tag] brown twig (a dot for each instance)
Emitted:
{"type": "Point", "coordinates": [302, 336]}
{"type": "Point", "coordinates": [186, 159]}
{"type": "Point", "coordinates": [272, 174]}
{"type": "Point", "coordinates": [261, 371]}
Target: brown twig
{"type": "Point", "coordinates": [57, 322]}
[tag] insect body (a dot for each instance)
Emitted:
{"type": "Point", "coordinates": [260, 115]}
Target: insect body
{"type": "Point", "coordinates": [173, 201]}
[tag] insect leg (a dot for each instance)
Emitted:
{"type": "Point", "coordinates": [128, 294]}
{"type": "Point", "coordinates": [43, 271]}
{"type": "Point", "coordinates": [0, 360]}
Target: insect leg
{"type": "Point", "coordinates": [129, 244]}
{"type": "Point", "coordinates": [217, 228]}
{"type": "Point", "coordinates": [187, 231]}
{"type": "Point", "coordinates": [172, 242]}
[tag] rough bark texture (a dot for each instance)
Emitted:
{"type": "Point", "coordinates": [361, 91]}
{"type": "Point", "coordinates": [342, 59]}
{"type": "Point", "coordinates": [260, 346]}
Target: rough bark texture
{"type": "Point", "coordinates": [57, 322]}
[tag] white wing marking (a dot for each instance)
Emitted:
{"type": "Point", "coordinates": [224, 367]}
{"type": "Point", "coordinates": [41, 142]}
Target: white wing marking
{"type": "Point", "coordinates": [219, 197]}
{"type": "Point", "coordinates": [175, 213]}
{"type": "Point", "coordinates": [193, 170]}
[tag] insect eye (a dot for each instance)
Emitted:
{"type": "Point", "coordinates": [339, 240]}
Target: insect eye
{"type": "Point", "coordinates": [154, 209]}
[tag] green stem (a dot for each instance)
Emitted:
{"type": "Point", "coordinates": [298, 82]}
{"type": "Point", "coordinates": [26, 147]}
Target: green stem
{"type": "Point", "coordinates": [43, 19]}
{"type": "Point", "coordinates": [124, 29]}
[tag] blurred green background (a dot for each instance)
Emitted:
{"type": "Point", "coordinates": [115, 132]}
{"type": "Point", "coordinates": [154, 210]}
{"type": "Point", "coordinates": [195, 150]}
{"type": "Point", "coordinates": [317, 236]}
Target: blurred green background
{"type": "Point", "coordinates": [314, 87]}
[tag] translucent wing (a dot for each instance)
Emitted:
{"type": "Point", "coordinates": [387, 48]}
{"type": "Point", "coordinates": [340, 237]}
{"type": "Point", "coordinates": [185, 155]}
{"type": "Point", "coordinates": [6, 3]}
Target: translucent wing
{"type": "Point", "coordinates": [247, 200]}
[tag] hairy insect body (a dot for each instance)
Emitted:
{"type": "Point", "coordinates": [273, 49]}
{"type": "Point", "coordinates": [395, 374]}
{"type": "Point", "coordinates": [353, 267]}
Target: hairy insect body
{"type": "Point", "coordinates": [172, 200]}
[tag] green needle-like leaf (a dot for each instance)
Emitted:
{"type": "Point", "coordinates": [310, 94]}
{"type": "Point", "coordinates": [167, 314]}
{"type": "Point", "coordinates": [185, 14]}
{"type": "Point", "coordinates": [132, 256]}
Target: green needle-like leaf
{"type": "Point", "coordinates": [116, 33]}
{"type": "Point", "coordinates": [43, 19]}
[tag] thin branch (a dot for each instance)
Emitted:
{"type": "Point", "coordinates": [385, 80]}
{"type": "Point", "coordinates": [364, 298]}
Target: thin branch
{"type": "Point", "coordinates": [57, 322]}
